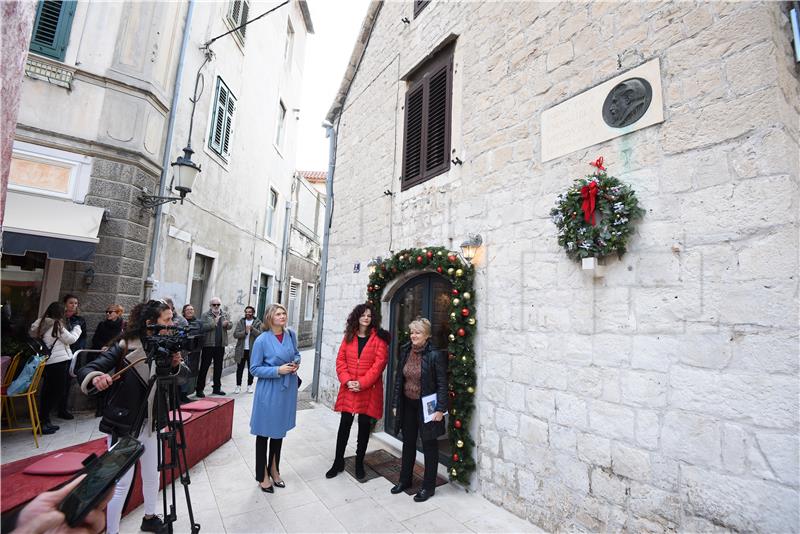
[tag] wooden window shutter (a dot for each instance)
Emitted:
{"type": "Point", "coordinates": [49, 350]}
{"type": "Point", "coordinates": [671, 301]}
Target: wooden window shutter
{"type": "Point", "coordinates": [412, 157]}
{"type": "Point", "coordinates": [231, 107]}
{"type": "Point", "coordinates": [219, 138]}
{"type": "Point", "coordinates": [52, 27]}
{"type": "Point", "coordinates": [243, 18]}
{"type": "Point", "coordinates": [426, 150]}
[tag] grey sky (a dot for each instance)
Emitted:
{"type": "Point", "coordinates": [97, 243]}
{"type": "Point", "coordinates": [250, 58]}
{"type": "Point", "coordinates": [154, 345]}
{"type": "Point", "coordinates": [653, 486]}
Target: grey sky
{"type": "Point", "coordinates": [336, 25]}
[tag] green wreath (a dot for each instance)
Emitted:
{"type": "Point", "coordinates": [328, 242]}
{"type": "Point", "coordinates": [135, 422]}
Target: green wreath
{"type": "Point", "coordinates": [461, 353]}
{"type": "Point", "coordinates": [594, 216]}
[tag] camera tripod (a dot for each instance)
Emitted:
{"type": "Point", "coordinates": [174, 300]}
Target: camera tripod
{"type": "Point", "coordinates": [171, 444]}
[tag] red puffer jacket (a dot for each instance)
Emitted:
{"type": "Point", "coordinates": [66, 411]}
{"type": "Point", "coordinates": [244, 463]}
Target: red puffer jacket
{"type": "Point", "coordinates": [368, 370]}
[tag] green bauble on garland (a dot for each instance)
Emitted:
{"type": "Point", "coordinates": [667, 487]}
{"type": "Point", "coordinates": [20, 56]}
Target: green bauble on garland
{"type": "Point", "coordinates": [461, 353]}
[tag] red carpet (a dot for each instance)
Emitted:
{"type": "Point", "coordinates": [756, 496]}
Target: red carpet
{"type": "Point", "coordinates": [205, 432]}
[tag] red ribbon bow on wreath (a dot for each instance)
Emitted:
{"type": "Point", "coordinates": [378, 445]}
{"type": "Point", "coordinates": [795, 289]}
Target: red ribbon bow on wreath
{"type": "Point", "coordinates": [598, 163]}
{"type": "Point", "coordinates": [589, 196]}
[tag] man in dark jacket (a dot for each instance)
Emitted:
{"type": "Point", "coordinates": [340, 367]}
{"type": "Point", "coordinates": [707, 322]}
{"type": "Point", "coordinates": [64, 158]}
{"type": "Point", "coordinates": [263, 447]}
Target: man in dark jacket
{"type": "Point", "coordinates": [218, 323]}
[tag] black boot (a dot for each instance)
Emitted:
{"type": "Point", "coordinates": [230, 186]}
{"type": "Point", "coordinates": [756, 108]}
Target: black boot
{"type": "Point", "coordinates": [338, 467]}
{"type": "Point", "coordinates": [364, 424]}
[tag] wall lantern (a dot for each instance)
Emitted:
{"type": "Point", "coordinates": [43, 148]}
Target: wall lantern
{"type": "Point", "coordinates": [373, 264]}
{"type": "Point", "coordinates": [470, 247]}
{"type": "Point", "coordinates": [88, 276]}
{"type": "Point", "coordinates": [184, 172]}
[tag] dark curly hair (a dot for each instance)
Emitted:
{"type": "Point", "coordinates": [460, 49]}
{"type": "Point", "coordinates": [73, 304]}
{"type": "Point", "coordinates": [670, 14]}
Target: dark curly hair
{"type": "Point", "coordinates": [351, 327]}
{"type": "Point", "coordinates": [141, 314]}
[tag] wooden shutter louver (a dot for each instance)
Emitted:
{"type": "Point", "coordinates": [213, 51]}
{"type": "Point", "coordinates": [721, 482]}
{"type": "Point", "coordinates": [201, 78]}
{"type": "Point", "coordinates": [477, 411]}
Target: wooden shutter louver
{"type": "Point", "coordinates": [426, 150]}
{"type": "Point", "coordinates": [222, 122]}
{"type": "Point", "coordinates": [228, 125]}
{"type": "Point", "coordinates": [419, 5]}
{"type": "Point", "coordinates": [52, 27]}
{"type": "Point", "coordinates": [243, 18]}
{"type": "Point", "coordinates": [413, 143]}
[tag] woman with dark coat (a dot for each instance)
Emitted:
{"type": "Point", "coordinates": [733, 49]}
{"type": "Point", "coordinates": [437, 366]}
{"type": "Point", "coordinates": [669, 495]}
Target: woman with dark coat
{"type": "Point", "coordinates": [421, 371]}
{"type": "Point", "coordinates": [359, 365]}
{"type": "Point", "coordinates": [129, 410]}
{"type": "Point", "coordinates": [109, 328]}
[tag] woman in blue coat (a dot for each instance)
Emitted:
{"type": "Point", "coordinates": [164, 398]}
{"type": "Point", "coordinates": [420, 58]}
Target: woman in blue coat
{"type": "Point", "coordinates": [274, 360]}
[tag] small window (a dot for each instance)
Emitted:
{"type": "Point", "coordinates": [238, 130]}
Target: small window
{"type": "Point", "coordinates": [419, 5]}
{"type": "Point", "coordinates": [200, 278]}
{"type": "Point", "coordinates": [281, 124]}
{"type": "Point", "coordinates": [288, 49]}
{"type": "Point", "coordinates": [51, 28]}
{"type": "Point", "coordinates": [237, 15]}
{"type": "Point", "coordinates": [272, 207]}
{"type": "Point", "coordinates": [309, 312]}
{"type": "Point", "coordinates": [219, 138]}
{"type": "Point", "coordinates": [293, 306]}
{"type": "Point", "coordinates": [426, 147]}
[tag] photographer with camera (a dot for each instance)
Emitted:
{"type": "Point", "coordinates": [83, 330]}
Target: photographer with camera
{"type": "Point", "coordinates": [130, 404]}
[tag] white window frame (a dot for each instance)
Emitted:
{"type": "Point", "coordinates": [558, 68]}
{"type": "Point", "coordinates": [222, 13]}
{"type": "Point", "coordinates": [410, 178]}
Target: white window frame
{"type": "Point", "coordinates": [212, 276]}
{"type": "Point", "coordinates": [281, 123]}
{"type": "Point", "coordinates": [229, 113]}
{"type": "Point", "coordinates": [234, 19]}
{"type": "Point", "coordinates": [288, 48]}
{"type": "Point", "coordinates": [309, 310]}
{"type": "Point", "coordinates": [269, 218]}
{"type": "Point", "coordinates": [294, 314]}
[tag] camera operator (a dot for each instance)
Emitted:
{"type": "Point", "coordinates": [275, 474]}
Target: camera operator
{"type": "Point", "coordinates": [129, 410]}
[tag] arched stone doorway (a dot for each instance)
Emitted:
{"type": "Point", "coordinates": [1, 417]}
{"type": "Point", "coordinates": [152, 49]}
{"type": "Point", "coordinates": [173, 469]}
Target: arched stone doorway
{"type": "Point", "coordinates": [422, 294]}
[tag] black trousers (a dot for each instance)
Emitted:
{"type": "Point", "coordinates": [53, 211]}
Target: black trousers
{"type": "Point", "coordinates": [410, 427]}
{"type": "Point", "coordinates": [345, 424]}
{"type": "Point", "coordinates": [245, 362]}
{"type": "Point", "coordinates": [265, 461]}
{"type": "Point", "coordinates": [55, 380]}
{"type": "Point", "coordinates": [209, 354]}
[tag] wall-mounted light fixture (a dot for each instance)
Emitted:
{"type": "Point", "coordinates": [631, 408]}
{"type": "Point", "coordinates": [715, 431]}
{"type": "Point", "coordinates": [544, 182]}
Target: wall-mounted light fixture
{"type": "Point", "coordinates": [469, 248]}
{"type": "Point", "coordinates": [88, 276]}
{"type": "Point", "coordinates": [373, 264]}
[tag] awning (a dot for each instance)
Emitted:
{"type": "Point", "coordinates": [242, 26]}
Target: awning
{"type": "Point", "coordinates": [62, 229]}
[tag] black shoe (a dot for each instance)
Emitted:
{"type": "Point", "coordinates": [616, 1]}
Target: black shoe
{"type": "Point", "coordinates": [267, 490]}
{"type": "Point", "coordinates": [335, 469]}
{"type": "Point", "coordinates": [152, 524]}
{"type": "Point", "coordinates": [48, 429]}
{"type": "Point", "coordinates": [360, 473]}
{"type": "Point", "coordinates": [66, 415]}
{"type": "Point", "coordinates": [423, 495]}
{"type": "Point", "coordinates": [218, 392]}
{"type": "Point", "coordinates": [199, 394]}
{"type": "Point", "coordinates": [184, 399]}
{"type": "Point", "coordinates": [399, 488]}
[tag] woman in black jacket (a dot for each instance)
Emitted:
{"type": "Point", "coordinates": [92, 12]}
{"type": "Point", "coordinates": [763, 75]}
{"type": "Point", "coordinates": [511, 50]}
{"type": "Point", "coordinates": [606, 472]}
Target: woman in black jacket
{"type": "Point", "coordinates": [108, 328]}
{"type": "Point", "coordinates": [421, 371]}
{"type": "Point", "coordinates": [129, 405]}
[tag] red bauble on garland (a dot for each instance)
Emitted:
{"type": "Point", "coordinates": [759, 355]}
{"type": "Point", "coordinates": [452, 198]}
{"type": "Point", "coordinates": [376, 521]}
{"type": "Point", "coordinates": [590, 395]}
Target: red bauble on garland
{"type": "Point", "coordinates": [429, 254]}
{"type": "Point", "coordinates": [451, 258]}
{"type": "Point", "coordinates": [439, 270]}
{"type": "Point", "coordinates": [455, 457]}
{"type": "Point", "coordinates": [452, 394]}
{"type": "Point", "coordinates": [461, 332]}
{"type": "Point", "coordinates": [419, 259]}
{"type": "Point", "coordinates": [455, 292]}
{"type": "Point", "coordinates": [465, 312]}
{"type": "Point", "coordinates": [457, 423]}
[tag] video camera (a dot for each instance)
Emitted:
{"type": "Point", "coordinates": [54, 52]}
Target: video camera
{"type": "Point", "coordinates": [160, 347]}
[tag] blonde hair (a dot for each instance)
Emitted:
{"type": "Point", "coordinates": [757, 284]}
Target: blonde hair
{"type": "Point", "coordinates": [270, 313]}
{"type": "Point", "coordinates": [421, 324]}
{"type": "Point", "coordinates": [117, 308]}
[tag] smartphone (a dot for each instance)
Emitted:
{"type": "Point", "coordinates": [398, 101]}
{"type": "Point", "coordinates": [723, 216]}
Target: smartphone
{"type": "Point", "coordinates": [101, 475]}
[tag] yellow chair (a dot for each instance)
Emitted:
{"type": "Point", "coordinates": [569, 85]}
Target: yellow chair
{"type": "Point", "coordinates": [8, 376]}
{"type": "Point", "coordinates": [30, 399]}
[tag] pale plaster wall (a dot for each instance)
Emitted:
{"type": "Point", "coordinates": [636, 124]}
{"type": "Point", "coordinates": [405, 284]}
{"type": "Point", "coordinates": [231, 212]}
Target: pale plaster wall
{"type": "Point", "coordinates": [665, 395]}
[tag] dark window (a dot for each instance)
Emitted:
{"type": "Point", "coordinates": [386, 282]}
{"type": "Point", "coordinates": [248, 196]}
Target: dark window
{"type": "Point", "coordinates": [419, 5]}
{"type": "Point", "coordinates": [426, 146]}
{"type": "Point", "coordinates": [51, 28]}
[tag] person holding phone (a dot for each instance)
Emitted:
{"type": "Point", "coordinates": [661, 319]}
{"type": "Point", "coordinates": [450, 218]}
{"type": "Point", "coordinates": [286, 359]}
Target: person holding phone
{"type": "Point", "coordinates": [274, 360]}
{"type": "Point", "coordinates": [421, 371]}
{"type": "Point", "coordinates": [129, 407]}
{"type": "Point", "coordinates": [359, 365]}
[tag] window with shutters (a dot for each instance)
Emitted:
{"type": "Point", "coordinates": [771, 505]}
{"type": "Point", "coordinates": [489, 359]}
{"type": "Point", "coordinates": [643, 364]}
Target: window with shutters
{"type": "Point", "coordinates": [289, 46]}
{"type": "Point", "coordinates": [272, 207]}
{"type": "Point", "coordinates": [51, 28]}
{"type": "Point", "coordinates": [219, 137]}
{"type": "Point", "coordinates": [281, 124]}
{"type": "Point", "coordinates": [310, 301]}
{"type": "Point", "coordinates": [237, 15]}
{"type": "Point", "coordinates": [426, 144]}
{"type": "Point", "coordinates": [419, 5]}
{"type": "Point", "coordinates": [293, 306]}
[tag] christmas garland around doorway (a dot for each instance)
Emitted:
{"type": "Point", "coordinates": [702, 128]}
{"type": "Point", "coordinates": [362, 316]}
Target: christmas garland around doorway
{"type": "Point", "coordinates": [461, 353]}
{"type": "Point", "coordinates": [594, 216]}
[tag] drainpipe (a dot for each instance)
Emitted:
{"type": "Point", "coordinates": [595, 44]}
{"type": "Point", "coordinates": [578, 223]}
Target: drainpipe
{"type": "Point", "coordinates": [165, 163]}
{"type": "Point", "coordinates": [331, 134]}
{"type": "Point", "coordinates": [285, 248]}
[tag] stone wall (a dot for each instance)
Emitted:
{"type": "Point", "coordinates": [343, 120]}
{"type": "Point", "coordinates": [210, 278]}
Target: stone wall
{"type": "Point", "coordinates": [121, 258]}
{"type": "Point", "coordinates": [663, 396]}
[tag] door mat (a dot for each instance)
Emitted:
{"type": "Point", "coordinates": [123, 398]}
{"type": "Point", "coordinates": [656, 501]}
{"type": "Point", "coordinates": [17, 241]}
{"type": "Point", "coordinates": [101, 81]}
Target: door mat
{"type": "Point", "coordinates": [382, 463]}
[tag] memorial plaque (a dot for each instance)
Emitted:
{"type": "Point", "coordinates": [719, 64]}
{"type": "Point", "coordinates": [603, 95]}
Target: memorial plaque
{"type": "Point", "coordinates": [621, 105]}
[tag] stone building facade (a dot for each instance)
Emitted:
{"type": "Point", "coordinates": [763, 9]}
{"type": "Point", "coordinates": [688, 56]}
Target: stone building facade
{"type": "Point", "coordinates": [664, 395]}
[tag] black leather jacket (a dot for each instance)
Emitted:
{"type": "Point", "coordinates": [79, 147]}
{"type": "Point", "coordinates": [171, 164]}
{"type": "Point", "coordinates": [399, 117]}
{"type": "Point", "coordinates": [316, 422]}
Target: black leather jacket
{"type": "Point", "coordinates": [127, 405]}
{"type": "Point", "coordinates": [434, 380]}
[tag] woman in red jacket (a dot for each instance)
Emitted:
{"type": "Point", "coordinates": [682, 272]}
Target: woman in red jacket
{"type": "Point", "coordinates": [362, 357]}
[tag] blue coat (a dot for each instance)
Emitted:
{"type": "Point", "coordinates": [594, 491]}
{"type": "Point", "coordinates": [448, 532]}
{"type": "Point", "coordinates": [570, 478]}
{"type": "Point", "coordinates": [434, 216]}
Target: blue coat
{"type": "Point", "coordinates": [275, 400]}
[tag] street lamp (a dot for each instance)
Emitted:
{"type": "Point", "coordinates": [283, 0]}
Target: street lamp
{"type": "Point", "coordinates": [373, 264]}
{"type": "Point", "coordinates": [185, 171]}
{"type": "Point", "coordinates": [470, 247]}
